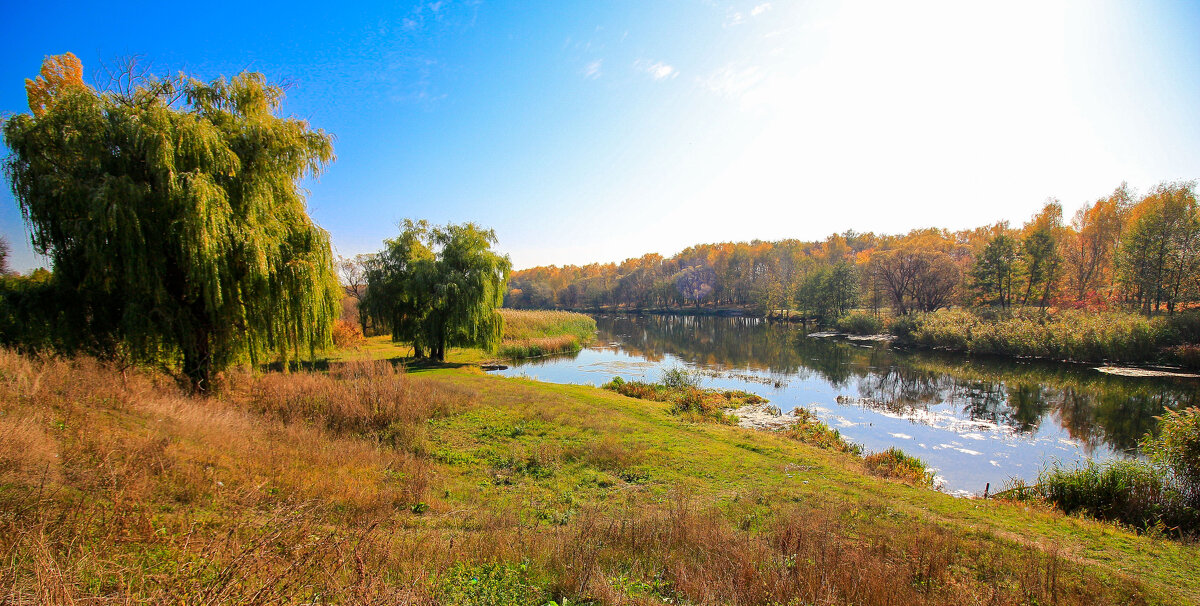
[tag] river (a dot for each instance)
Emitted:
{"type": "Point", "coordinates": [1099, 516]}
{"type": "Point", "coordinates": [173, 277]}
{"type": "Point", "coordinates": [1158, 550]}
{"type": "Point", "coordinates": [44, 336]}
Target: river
{"type": "Point", "coordinates": [973, 420]}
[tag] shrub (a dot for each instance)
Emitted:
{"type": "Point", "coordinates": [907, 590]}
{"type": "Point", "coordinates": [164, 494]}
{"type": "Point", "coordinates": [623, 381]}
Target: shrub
{"type": "Point", "coordinates": [1186, 326]}
{"type": "Point", "coordinates": [904, 328]}
{"type": "Point", "coordinates": [347, 335]}
{"type": "Point", "coordinates": [679, 377]}
{"type": "Point", "coordinates": [894, 463]}
{"type": "Point", "coordinates": [1187, 356]}
{"type": "Point", "coordinates": [860, 323]}
{"type": "Point", "coordinates": [1176, 450]}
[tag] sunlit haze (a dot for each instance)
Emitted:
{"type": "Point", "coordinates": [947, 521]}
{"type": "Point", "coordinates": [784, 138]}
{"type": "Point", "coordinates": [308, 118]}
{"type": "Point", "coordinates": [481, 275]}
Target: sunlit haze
{"type": "Point", "coordinates": [583, 132]}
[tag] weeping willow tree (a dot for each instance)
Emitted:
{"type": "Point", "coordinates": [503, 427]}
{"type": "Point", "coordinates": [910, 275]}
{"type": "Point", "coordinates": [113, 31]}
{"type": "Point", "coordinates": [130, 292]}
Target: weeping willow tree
{"type": "Point", "coordinates": [439, 287]}
{"type": "Point", "coordinates": [173, 216]}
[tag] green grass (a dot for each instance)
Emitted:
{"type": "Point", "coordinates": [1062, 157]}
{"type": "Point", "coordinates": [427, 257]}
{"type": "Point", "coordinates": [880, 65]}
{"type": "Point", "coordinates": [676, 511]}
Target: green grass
{"type": "Point", "coordinates": [365, 484]}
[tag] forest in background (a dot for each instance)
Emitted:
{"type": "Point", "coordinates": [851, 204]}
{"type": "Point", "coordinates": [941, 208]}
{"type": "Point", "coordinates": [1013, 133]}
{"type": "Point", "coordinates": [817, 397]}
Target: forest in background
{"type": "Point", "coordinates": [1122, 250]}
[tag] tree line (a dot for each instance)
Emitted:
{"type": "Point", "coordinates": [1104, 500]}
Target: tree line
{"type": "Point", "coordinates": [1123, 249]}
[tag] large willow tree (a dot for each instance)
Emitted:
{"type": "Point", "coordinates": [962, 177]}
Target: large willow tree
{"type": "Point", "coordinates": [174, 218]}
{"type": "Point", "coordinates": [436, 287]}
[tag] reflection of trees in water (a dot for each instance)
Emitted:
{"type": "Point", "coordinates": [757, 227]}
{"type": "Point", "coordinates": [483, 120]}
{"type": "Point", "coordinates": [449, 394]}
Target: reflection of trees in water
{"type": "Point", "coordinates": [1092, 408]}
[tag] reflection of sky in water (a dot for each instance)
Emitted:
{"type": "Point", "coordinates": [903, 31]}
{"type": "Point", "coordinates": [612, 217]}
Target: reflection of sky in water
{"type": "Point", "coordinates": [965, 452]}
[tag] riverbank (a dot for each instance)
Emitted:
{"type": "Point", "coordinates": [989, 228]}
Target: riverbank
{"type": "Point", "coordinates": [1110, 337]}
{"type": "Point", "coordinates": [369, 484]}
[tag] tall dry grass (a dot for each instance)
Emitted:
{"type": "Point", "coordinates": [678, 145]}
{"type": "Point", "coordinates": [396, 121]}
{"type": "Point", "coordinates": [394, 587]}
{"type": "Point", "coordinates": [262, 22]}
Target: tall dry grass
{"type": "Point", "coordinates": [294, 489]}
{"type": "Point", "coordinates": [1113, 336]}
{"type": "Point", "coordinates": [529, 334]}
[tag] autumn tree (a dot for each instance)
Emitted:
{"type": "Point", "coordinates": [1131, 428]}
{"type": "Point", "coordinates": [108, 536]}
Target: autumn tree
{"type": "Point", "coordinates": [352, 272]}
{"type": "Point", "coordinates": [438, 287]}
{"type": "Point", "coordinates": [1090, 253]}
{"type": "Point", "coordinates": [1040, 254]}
{"type": "Point", "coordinates": [935, 279]}
{"type": "Point", "coordinates": [1160, 254]}
{"type": "Point", "coordinates": [695, 283]}
{"type": "Point", "coordinates": [995, 269]}
{"type": "Point", "coordinates": [60, 74]}
{"type": "Point", "coordinates": [172, 214]}
{"type": "Point", "coordinates": [915, 278]}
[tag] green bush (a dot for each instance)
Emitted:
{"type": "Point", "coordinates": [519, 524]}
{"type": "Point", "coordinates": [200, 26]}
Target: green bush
{"type": "Point", "coordinates": [1176, 450]}
{"type": "Point", "coordinates": [1130, 492]}
{"type": "Point", "coordinates": [1186, 356]}
{"type": "Point", "coordinates": [860, 323]}
{"type": "Point", "coordinates": [1162, 493]}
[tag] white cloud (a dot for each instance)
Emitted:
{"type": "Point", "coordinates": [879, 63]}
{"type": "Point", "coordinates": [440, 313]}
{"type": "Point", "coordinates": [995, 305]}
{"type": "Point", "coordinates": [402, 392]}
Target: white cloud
{"type": "Point", "coordinates": [732, 81]}
{"type": "Point", "coordinates": [736, 18]}
{"type": "Point", "coordinates": [657, 69]}
{"type": "Point", "coordinates": [592, 70]}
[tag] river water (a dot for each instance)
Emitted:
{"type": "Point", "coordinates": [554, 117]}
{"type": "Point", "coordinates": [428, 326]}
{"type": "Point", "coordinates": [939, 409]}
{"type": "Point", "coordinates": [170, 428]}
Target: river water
{"type": "Point", "coordinates": [973, 420]}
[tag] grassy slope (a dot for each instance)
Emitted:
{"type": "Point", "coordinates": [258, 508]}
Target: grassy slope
{"type": "Point", "coordinates": [152, 487]}
{"type": "Point", "coordinates": [721, 463]}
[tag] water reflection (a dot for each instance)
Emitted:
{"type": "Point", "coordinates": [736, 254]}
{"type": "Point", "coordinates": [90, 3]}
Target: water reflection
{"type": "Point", "coordinates": [1095, 410]}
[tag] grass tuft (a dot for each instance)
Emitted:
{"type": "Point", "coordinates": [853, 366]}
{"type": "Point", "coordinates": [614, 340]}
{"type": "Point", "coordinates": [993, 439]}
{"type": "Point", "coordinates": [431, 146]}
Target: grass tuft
{"type": "Point", "coordinates": [894, 463]}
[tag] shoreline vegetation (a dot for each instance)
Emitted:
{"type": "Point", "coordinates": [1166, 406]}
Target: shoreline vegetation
{"type": "Point", "coordinates": [369, 483]}
{"type": "Point", "coordinates": [530, 334]}
{"type": "Point", "coordinates": [1067, 335]}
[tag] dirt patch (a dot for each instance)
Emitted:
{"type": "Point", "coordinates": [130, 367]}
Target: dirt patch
{"type": "Point", "coordinates": [761, 416]}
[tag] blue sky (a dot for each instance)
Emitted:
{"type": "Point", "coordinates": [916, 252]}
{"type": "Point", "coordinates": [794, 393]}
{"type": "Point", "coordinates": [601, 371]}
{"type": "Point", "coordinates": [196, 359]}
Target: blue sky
{"type": "Point", "coordinates": [588, 131]}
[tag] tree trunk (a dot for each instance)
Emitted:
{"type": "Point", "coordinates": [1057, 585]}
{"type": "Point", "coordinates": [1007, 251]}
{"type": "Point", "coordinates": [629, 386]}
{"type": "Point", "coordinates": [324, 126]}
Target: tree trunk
{"type": "Point", "coordinates": [197, 364]}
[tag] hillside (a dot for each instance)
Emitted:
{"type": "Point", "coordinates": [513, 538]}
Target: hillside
{"type": "Point", "coordinates": [447, 486]}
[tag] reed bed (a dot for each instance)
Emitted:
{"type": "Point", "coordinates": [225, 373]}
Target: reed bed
{"type": "Point", "coordinates": [1077, 335]}
{"type": "Point", "coordinates": [529, 334]}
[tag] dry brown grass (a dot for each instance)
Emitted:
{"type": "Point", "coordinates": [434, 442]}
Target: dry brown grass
{"type": "Point", "coordinates": [312, 488]}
